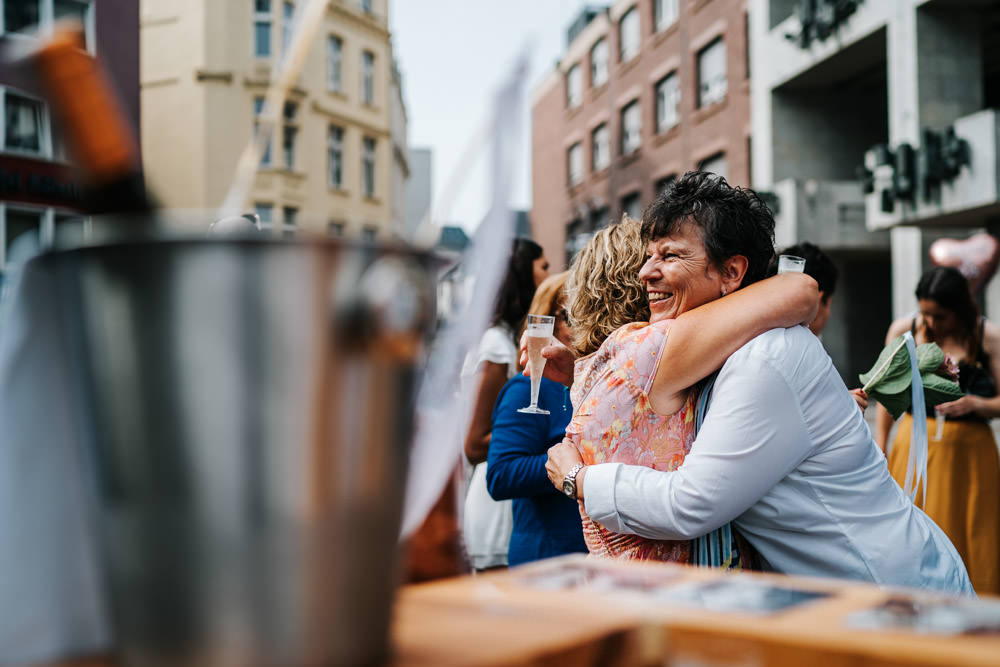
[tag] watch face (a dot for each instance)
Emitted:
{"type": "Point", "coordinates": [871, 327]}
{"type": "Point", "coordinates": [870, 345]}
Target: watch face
{"type": "Point", "coordinates": [569, 488]}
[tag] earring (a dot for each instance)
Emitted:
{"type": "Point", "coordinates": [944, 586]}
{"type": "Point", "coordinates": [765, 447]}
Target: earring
{"type": "Point", "coordinates": [723, 291]}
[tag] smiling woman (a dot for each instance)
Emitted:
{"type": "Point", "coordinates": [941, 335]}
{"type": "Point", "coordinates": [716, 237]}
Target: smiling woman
{"type": "Point", "coordinates": [622, 415]}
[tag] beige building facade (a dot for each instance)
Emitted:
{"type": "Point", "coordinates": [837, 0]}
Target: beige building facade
{"type": "Point", "coordinates": [205, 69]}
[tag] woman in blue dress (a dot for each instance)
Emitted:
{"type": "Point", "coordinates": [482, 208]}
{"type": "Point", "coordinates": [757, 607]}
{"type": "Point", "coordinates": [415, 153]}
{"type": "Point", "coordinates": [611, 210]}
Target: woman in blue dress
{"type": "Point", "coordinates": [546, 523]}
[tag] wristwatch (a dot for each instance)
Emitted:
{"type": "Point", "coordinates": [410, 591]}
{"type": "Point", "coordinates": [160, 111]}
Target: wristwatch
{"type": "Point", "coordinates": [569, 481]}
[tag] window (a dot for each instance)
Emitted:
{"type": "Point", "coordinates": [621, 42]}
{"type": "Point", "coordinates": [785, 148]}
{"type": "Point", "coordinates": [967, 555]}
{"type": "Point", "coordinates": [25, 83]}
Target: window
{"type": "Point", "coordinates": [33, 17]}
{"type": "Point", "coordinates": [265, 213]}
{"type": "Point", "coordinates": [665, 183]}
{"type": "Point", "coordinates": [24, 230]}
{"type": "Point", "coordinates": [368, 233]}
{"type": "Point", "coordinates": [289, 131]}
{"type": "Point", "coordinates": [600, 147]}
{"type": "Point", "coordinates": [24, 124]}
{"type": "Point", "coordinates": [287, 14]}
{"type": "Point", "coordinates": [574, 86]}
{"type": "Point", "coordinates": [715, 164]}
{"type": "Point", "coordinates": [599, 63]}
{"type": "Point", "coordinates": [69, 230]}
{"type": "Point", "coordinates": [290, 220]}
{"type": "Point", "coordinates": [78, 10]}
{"type": "Point", "coordinates": [632, 206]}
{"type": "Point", "coordinates": [368, 77]}
{"type": "Point", "coordinates": [366, 6]}
{"type": "Point", "coordinates": [335, 146]}
{"type": "Point", "coordinates": [575, 163]}
{"type": "Point", "coordinates": [334, 64]}
{"type": "Point", "coordinates": [668, 96]}
{"type": "Point", "coordinates": [262, 28]}
{"type": "Point", "coordinates": [664, 13]}
{"type": "Point", "coordinates": [22, 15]}
{"type": "Point", "coordinates": [631, 125]}
{"type": "Point", "coordinates": [258, 108]}
{"type": "Point", "coordinates": [19, 223]}
{"type": "Point", "coordinates": [712, 73]}
{"type": "Point", "coordinates": [335, 229]}
{"type": "Point", "coordinates": [628, 35]}
{"type": "Point", "coordinates": [368, 166]}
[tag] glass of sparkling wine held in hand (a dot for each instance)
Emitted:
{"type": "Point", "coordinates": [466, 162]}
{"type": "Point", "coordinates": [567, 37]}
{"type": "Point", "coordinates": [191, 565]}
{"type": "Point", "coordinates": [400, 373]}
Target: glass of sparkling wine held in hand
{"type": "Point", "coordinates": [538, 332]}
{"type": "Point", "coordinates": [791, 264]}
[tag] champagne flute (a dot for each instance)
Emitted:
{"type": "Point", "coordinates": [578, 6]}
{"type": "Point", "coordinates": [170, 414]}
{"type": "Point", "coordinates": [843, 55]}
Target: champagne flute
{"type": "Point", "coordinates": [940, 424]}
{"type": "Point", "coordinates": [538, 331]}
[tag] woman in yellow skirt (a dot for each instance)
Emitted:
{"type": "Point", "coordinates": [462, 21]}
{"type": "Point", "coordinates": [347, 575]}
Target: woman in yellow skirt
{"type": "Point", "coordinates": [963, 470]}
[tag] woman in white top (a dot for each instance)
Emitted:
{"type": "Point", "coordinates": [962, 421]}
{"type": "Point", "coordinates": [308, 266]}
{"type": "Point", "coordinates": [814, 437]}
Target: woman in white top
{"type": "Point", "coordinates": [487, 522]}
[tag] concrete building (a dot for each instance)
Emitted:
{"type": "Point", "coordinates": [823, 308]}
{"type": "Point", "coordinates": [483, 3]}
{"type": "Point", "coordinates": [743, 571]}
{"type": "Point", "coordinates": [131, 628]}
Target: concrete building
{"type": "Point", "coordinates": [205, 69]}
{"type": "Point", "coordinates": [903, 87]}
{"type": "Point", "coordinates": [419, 188]}
{"type": "Point", "coordinates": [646, 90]}
{"type": "Point", "coordinates": [38, 193]}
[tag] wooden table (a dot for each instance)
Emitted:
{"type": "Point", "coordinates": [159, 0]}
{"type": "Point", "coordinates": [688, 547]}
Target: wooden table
{"type": "Point", "coordinates": [505, 618]}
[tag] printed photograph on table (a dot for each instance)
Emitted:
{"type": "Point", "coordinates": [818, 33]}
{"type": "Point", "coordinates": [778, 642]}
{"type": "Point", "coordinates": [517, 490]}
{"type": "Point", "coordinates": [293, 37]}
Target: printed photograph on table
{"type": "Point", "coordinates": [575, 573]}
{"type": "Point", "coordinates": [738, 594]}
{"type": "Point", "coordinates": [928, 615]}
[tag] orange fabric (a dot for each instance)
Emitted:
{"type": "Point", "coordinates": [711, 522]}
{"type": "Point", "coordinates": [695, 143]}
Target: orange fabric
{"type": "Point", "coordinates": [963, 492]}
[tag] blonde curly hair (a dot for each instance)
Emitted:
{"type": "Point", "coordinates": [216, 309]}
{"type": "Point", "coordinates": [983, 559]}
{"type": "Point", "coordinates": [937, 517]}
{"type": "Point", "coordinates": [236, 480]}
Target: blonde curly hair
{"type": "Point", "coordinates": [604, 291]}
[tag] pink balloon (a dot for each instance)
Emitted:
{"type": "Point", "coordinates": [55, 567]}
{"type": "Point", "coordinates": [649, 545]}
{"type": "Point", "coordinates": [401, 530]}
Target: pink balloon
{"type": "Point", "coordinates": [976, 257]}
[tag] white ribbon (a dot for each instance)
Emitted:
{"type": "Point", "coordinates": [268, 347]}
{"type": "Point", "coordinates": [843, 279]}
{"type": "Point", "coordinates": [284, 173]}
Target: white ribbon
{"type": "Point", "coordinates": [916, 464]}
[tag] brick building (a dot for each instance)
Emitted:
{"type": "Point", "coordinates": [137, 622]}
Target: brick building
{"type": "Point", "coordinates": [38, 190]}
{"type": "Point", "coordinates": [646, 90]}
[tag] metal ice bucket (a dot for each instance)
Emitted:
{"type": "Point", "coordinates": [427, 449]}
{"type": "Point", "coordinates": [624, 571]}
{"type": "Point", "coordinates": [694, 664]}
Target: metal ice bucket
{"type": "Point", "coordinates": [247, 409]}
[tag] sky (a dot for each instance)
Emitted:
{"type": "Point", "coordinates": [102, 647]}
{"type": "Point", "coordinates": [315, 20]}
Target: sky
{"type": "Point", "coordinates": [453, 54]}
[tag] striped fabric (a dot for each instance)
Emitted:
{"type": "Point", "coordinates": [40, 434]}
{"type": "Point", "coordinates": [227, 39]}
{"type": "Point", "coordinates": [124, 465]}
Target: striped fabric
{"type": "Point", "coordinates": [718, 548]}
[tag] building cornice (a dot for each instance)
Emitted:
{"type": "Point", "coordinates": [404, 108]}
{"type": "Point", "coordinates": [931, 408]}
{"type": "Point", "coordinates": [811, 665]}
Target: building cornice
{"type": "Point", "coordinates": [358, 18]}
{"type": "Point", "coordinates": [551, 79]}
{"type": "Point", "coordinates": [348, 120]}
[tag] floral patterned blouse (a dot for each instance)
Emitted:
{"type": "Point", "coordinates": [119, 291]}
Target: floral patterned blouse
{"type": "Point", "coordinates": [614, 423]}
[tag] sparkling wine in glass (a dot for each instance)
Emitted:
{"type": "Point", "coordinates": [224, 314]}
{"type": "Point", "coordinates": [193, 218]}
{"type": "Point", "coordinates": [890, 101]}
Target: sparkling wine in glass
{"type": "Point", "coordinates": [791, 264]}
{"type": "Point", "coordinates": [538, 331]}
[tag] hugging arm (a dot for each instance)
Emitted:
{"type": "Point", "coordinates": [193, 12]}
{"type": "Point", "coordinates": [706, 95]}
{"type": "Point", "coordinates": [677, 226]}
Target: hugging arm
{"type": "Point", "coordinates": [701, 339]}
{"type": "Point", "coordinates": [754, 436]}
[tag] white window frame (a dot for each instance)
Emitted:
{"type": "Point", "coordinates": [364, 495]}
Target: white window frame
{"type": "Point", "coordinates": [368, 77]}
{"type": "Point", "coordinates": [267, 158]}
{"type": "Point", "coordinates": [287, 25]}
{"type": "Point", "coordinates": [44, 129]}
{"type": "Point", "coordinates": [46, 227]}
{"type": "Point", "coordinates": [334, 64]}
{"type": "Point", "coordinates": [574, 86]}
{"type": "Point", "coordinates": [335, 149]}
{"type": "Point", "coordinates": [599, 65]}
{"type": "Point", "coordinates": [267, 224]}
{"type": "Point", "coordinates": [369, 161]}
{"type": "Point", "coordinates": [289, 124]}
{"type": "Point", "coordinates": [712, 91]}
{"type": "Point", "coordinates": [626, 51]}
{"type": "Point", "coordinates": [668, 100]}
{"type": "Point", "coordinates": [665, 13]}
{"type": "Point", "coordinates": [289, 228]}
{"type": "Point", "coordinates": [46, 22]}
{"type": "Point", "coordinates": [574, 164]}
{"type": "Point", "coordinates": [712, 161]}
{"type": "Point", "coordinates": [600, 150]}
{"type": "Point", "coordinates": [631, 141]}
{"type": "Point", "coordinates": [263, 18]}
